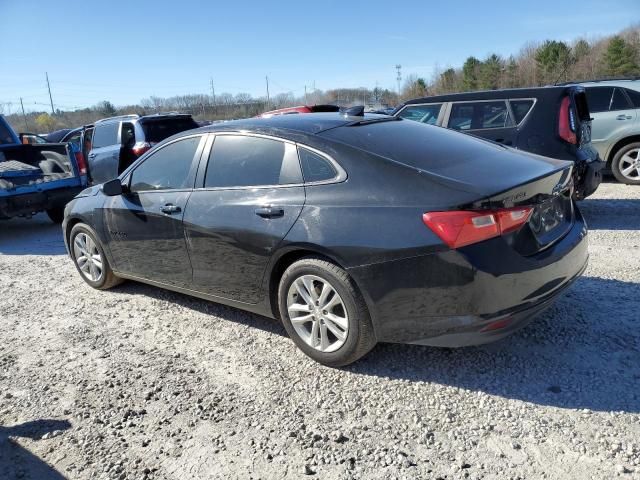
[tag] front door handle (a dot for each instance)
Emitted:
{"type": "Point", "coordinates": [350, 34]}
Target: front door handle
{"type": "Point", "coordinates": [170, 208]}
{"type": "Point", "coordinates": [269, 212]}
{"type": "Point", "coordinates": [623, 117]}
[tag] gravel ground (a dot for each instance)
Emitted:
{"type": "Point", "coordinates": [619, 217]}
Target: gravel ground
{"type": "Point", "coordinates": [141, 383]}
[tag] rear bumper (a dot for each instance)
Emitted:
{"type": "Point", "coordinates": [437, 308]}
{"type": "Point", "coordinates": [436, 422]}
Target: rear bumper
{"type": "Point", "coordinates": [474, 295]}
{"type": "Point", "coordinates": [30, 203]}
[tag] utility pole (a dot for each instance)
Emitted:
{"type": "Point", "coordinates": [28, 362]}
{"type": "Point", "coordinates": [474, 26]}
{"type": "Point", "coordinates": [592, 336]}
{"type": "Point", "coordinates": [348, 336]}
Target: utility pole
{"type": "Point", "coordinates": [268, 102]}
{"type": "Point", "coordinates": [23, 115]}
{"type": "Point", "coordinates": [399, 78]}
{"type": "Point", "coordinates": [306, 100]}
{"type": "Point", "coordinates": [213, 94]}
{"type": "Point", "coordinates": [50, 97]}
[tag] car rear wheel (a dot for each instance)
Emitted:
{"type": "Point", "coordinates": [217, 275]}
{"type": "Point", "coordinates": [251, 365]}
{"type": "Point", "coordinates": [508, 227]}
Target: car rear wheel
{"type": "Point", "coordinates": [626, 164]}
{"type": "Point", "coordinates": [324, 313]}
{"type": "Point", "coordinates": [89, 258]}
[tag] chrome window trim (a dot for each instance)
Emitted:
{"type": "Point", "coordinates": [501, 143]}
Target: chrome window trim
{"type": "Point", "coordinates": [340, 177]}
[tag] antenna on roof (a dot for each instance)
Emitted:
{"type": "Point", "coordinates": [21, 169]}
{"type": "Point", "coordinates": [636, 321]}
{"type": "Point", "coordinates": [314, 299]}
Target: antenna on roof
{"type": "Point", "coordinates": [357, 111]}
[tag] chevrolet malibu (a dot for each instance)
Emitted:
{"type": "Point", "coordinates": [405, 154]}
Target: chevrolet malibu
{"type": "Point", "coordinates": [350, 229]}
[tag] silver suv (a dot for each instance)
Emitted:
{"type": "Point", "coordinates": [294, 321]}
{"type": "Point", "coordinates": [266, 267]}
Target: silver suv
{"type": "Point", "coordinates": [615, 131]}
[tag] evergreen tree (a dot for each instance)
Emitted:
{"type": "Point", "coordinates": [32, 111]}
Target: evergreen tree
{"type": "Point", "coordinates": [553, 59]}
{"type": "Point", "coordinates": [470, 73]}
{"type": "Point", "coordinates": [490, 72]}
{"type": "Point", "coordinates": [620, 58]}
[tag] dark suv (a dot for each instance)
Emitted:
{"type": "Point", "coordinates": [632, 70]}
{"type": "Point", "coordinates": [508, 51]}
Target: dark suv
{"type": "Point", "coordinates": [550, 121]}
{"type": "Point", "coordinates": [112, 144]}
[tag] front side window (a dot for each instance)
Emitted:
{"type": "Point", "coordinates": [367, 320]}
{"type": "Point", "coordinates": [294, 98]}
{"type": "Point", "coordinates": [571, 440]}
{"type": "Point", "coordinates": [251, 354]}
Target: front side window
{"type": "Point", "coordinates": [244, 161]}
{"type": "Point", "coordinates": [477, 115]}
{"type": "Point", "coordinates": [168, 168]}
{"type": "Point", "coordinates": [105, 135]}
{"type": "Point", "coordinates": [599, 98]}
{"type": "Point", "coordinates": [315, 168]}
{"type": "Point", "coordinates": [422, 113]}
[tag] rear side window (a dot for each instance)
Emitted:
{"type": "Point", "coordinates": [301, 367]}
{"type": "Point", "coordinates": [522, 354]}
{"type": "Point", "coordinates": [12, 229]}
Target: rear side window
{"type": "Point", "coordinates": [168, 168]}
{"type": "Point", "coordinates": [243, 161]}
{"type": "Point", "coordinates": [157, 130]}
{"type": "Point", "coordinates": [315, 168]}
{"type": "Point", "coordinates": [634, 96]}
{"type": "Point", "coordinates": [477, 115]}
{"type": "Point", "coordinates": [105, 135]}
{"type": "Point", "coordinates": [599, 98]}
{"type": "Point", "coordinates": [520, 108]}
{"type": "Point", "coordinates": [619, 101]}
{"type": "Point", "coordinates": [422, 113]}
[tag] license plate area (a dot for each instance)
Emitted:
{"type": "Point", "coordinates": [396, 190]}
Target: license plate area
{"type": "Point", "coordinates": [552, 219]}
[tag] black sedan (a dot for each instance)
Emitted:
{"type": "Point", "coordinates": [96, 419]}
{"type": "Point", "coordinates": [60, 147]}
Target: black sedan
{"type": "Point", "coordinates": [352, 230]}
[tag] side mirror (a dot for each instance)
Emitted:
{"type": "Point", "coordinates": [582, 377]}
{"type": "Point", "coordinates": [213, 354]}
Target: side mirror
{"type": "Point", "coordinates": [112, 188]}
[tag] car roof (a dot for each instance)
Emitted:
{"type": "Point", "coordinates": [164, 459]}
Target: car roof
{"type": "Point", "coordinates": [632, 83]}
{"type": "Point", "coordinates": [310, 123]}
{"type": "Point", "coordinates": [551, 90]}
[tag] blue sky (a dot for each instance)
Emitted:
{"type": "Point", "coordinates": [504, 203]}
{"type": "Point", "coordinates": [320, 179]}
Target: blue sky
{"type": "Point", "coordinates": [124, 51]}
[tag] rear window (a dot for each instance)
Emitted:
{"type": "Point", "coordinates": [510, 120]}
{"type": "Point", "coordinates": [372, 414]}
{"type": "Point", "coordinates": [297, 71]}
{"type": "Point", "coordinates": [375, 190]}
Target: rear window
{"type": "Point", "coordinates": [157, 130]}
{"type": "Point", "coordinates": [520, 108]}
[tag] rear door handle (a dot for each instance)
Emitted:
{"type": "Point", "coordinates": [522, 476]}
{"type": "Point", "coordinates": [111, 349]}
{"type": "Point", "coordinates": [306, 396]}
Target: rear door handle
{"type": "Point", "coordinates": [170, 208]}
{"type": "Point", "coordinates": [92, 155]}
{"type": "Point", "coordinates": [269, 212]}
{"type": "Point", "coordinates": [623, 117]}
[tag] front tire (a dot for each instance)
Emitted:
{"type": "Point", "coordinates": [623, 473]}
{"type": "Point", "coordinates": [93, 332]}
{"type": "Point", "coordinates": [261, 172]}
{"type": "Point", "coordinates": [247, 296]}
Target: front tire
{"type": "Point", "coordinates": [89, 258]}
{"type": "Point", "coordinates": [323, 312]}
{"type": "Point", "coordinates": [625, 165]}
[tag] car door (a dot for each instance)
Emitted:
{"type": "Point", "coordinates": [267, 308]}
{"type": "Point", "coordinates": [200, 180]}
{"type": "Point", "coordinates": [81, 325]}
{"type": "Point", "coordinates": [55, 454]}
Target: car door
{"type": "Point", "coordinates": [250, 194]}
{"type": "Point", "coordinates": [488, 119]}
{"type": "Point", "coordinates": [613, 117]}
{"type": "Point", "coordinates": [145, 222]}
{"type": "Point", "coordinates": [104, 156]}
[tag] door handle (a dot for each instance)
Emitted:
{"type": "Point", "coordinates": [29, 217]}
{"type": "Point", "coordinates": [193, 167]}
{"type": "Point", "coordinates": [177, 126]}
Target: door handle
{"type": "Point", "coordinates": [92, 155]}
{"type": "Point", "coordinates": [170, 208]}
{"type": "Point", "coordinates": [623, 117]}
{"type": "Point", "coordinates": [269, 212]}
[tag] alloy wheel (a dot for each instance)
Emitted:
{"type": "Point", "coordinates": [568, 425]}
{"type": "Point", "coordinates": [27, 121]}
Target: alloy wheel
{"type": "Point", "coordinates": [317, 313]}
{"type": "Point", "coordinates": [87, 257]}
{"type": "Point", "coordinates": [629, 165]}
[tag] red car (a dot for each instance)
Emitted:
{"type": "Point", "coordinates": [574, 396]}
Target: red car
{"type": "Point", "coordinates": [301, 109]}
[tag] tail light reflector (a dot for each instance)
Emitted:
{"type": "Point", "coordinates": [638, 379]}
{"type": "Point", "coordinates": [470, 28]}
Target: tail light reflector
{"type": "Point", "coordinates": [140, 147]}
{"type": "Point", "coordinates": [464, 227]}
{"type": "Point", "coordinates": [82, 165]}
{"type": "Point", "coordinates": [567, 122]}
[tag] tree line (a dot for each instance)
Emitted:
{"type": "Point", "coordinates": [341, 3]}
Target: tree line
{"type": "Point", "coordinates": [549, 62]}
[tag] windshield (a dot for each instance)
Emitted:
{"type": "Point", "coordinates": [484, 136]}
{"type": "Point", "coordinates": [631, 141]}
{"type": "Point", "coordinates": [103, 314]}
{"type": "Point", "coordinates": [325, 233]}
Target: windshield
{"type": "Point", "coordinates": [6, 137]}
{"type": "Point", "coordinates": [157, 130]}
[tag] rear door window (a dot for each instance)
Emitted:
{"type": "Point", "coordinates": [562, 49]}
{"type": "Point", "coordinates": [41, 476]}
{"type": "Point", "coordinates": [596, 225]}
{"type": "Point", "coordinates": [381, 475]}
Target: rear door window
{"type": "Point", "coordinates": [157, 130]}
{"type": "Point", "coordinates": [422, 113]}
{"type": "Point", "coordinates": [634, 96]}
{"type": "Point", "coordinates": [244, 161]}
{"type": "Point", "coordinates": [520, 108]}
{"type": "Point", "coordinates": [105, 135]}
{"type": "Point", "coordinates": [479, 115]}
{"type": "Point", "coordinates": [619, 101]}
{"type": "Point", "coordinates": [599, 98]}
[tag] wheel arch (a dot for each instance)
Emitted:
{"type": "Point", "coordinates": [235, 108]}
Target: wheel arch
{"type": "Point", "coordinates": [618, 145]}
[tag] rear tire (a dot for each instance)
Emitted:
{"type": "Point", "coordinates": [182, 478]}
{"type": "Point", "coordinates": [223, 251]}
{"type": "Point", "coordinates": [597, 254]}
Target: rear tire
{"type": "Point", "coordinates": [56, 214]}
{"type": "Point", "coordinates": [343, 329]}
{"type": "Point", "coordinates": [89, 258]}
{"type": "Point", "coordinates": [625, 165]}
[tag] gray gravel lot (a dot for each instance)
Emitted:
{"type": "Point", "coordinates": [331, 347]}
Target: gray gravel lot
{"type": "Point", "coordinates": [141, 383]}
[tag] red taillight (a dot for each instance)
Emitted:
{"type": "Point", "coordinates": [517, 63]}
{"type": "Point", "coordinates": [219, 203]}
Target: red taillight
{"type": "Point", "coordinates": [140, 147]}
{"type": "Point", "coordinates": [460, 228]}
{"type": "Point", "coordinates": [566, 122]}
{"type": "Point", "coordinates": [82, 165]}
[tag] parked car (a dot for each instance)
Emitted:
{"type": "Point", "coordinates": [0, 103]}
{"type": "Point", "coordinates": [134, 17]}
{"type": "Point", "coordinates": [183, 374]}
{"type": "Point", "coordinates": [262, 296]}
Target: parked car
{"type": "Point", "coordinates": [550, 121]}
{"type": "Point", "coordinates": [66, 135]}
{"type": "Point", "coordinates": [615, 133]}
{"type": "Point", "coordinates": [352, 230]}
{"type": "Point", "coordinates": [36, 177]}
{"type": "Point", "coordinates": [112, 144]}
{"type": "Point", "coordinates": [301, 109]}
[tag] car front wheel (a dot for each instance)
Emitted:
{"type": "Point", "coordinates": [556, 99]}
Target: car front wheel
{"type": "Point", "coordinates": [324, 313]}
{"type": "Point", "coordinates": [89, 258]}
{"type": "Point", "coordinates": [626, 164]}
